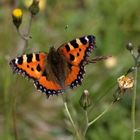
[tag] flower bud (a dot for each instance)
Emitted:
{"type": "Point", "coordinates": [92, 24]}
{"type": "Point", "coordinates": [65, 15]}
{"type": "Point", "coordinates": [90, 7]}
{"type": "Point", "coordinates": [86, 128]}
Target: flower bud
{"type": "Point", "coordinates": [34, 8]}
{"type": "Point", "coordinates": [17, 17]}
{"type": "Point", "coordinates": [129, 46]}
{"type": "Point", "coordinates": [85, 100]}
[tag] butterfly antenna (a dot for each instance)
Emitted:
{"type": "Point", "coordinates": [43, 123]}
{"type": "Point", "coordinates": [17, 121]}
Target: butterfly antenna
{"type": "Point", "coordinates": [98, 58]}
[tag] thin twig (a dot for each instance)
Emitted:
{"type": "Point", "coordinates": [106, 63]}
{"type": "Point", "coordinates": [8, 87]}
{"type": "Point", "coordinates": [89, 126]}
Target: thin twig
{"type": "Point", "coordinates": [134, 104]}
{"type": "Point", "coordinates": [14, 119]}
{"type": "Point", "coordinates": [98, 117]}
{"type": "Point", "coordinates": [27, 36]}
{"type": "Point", "coordinates": [22, 36]}
{"type": "Point", "coordinates": [133, 55]}
{"type": "Point", "coordinates": [101, 97]}
{"type": "Point", "coordinates": [71, 120]}
{"type": "Point", "coordinates": [28, 32]}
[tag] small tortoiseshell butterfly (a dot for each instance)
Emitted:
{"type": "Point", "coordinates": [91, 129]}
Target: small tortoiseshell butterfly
{"type": "Point", "coordinates": [53, 72]}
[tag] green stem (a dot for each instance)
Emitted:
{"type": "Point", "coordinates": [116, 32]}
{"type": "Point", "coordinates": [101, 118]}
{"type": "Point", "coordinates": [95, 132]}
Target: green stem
{"type": "Point", "coordinates": [7, 106]}
{"type": "Point", "coordinates": [87, 121]}
{"type": "Point", "coordinates": [98, 117]}
{"type": "Point", "coordinates": [134, 104]}
{"type": "Point", "coordinates": [71, 120]}
{"type": "Point", "coordinates": [14, 119]}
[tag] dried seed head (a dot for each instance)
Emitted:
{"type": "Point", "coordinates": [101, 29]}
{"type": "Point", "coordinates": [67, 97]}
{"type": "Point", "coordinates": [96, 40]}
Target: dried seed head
{"type": "Point", "coordinates": [125, 82]}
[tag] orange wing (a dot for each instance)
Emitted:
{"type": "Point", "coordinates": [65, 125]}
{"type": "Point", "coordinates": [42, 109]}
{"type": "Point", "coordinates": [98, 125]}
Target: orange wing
{"type": "Point", "coordinates": [33, 67]}
{"type": "Point", "coordinates": [75, 76]}
{"type": "Point", "coordinates": [48, 86]}
{"type": "Point", "coordinates": [77, 51]}
{"type": "Point", "coordinates": [30, 65]}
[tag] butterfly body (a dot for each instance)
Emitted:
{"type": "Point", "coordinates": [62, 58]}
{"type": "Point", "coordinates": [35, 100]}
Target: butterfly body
{"type": "Point", "coordinates": [57, 68]}
{"type": "Point", "coordinates": [53, 72]}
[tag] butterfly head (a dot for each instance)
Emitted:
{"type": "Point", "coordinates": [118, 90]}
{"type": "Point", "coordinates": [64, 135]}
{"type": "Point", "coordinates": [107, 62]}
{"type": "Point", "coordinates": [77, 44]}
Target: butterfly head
{"type": "Point", "coordinates": [52, 50]}
{"type": "Point", "coordinates": [53, 56]}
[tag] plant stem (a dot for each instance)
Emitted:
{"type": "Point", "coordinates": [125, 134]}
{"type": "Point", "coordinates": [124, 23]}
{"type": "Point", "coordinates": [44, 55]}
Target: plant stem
{"type": "Point", "coordinates": [134, 104]}
{"type": "Point", "coordinates": [87, 121]}
{"type": "Point", "coordinates": [27, 36]}
{"type": "Point", "coordinates": [71, 120]}
{"type": "Point", "coordinates": [14, 118]}
{"type": "Point", "coordinates": [27, 33]}
{"type": "Point", "coordinates": [24, 37]}
{"type": "Point", "coordinates": [98, 117]}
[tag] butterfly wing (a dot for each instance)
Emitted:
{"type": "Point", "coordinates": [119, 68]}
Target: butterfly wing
{"type": "Point", "coordinates": [75, 76]}
{"type": "Point", "coordinates": [33, 67]}
{"type": "Point", "coordinates": [47, 86]}
{"type": "Point", "coordinates": [76, 53]}
{"type": "Point", "coordinates": [30, 65]}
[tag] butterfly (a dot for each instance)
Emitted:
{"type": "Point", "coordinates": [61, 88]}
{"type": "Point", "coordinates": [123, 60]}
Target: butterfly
{"type": "Point", "coordinates": [59, 69]}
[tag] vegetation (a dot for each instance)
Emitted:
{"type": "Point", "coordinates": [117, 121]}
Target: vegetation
{"type": "Point", "coordinates": [25, 113]}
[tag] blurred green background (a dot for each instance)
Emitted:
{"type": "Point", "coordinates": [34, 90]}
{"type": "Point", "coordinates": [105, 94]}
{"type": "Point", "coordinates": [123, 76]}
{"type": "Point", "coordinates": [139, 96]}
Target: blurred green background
{"type": "Point", "coordinates": [114, 23]}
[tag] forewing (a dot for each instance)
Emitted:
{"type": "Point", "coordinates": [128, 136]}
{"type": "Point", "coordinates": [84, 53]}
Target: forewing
{"type": "Point", "coordinates": [77, 51]}
{"type": "Point", "coordinates": [29, 65]}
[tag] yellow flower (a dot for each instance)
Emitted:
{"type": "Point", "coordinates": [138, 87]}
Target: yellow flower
{"type": "Point", "coordinates": [17, 13]}
{"type": "Point", "coordinates": [125, 82]}
{"type": "Point", "coordinates": [17, 17]}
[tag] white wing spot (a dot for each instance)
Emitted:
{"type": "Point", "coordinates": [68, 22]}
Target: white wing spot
{"type": "Point", "coordinates": [16, 60]}
{"type": "Point", "coordinates": [34, 58]}
{"type": "Point", "coordinates": [24, 58]}
{"type": "Point", "coordinates": [86, 38]}
{"type": "Point", "coordinates": [49, 92]}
